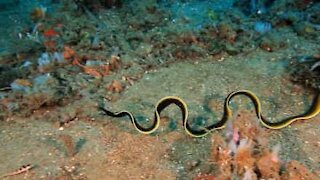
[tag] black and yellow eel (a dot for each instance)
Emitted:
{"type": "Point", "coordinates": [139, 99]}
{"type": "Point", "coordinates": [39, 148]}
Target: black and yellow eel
{"type": "Point", "coordinates": [227, 114]}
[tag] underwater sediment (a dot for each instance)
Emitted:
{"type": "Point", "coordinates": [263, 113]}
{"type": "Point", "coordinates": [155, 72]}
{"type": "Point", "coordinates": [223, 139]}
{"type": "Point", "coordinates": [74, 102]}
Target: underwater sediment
{"type": "Point", "coordinates": [62, 60]}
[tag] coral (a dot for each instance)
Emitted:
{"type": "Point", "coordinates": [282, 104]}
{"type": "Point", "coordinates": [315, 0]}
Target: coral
{"type": "Point", "coordinates": [269, 166]}
{"type": "Point", "coordinates": [243, 159]}
{"type": "Point", "coordinates": [8, 75]}
{"type": "Point", "coordinates": [204, 177]}
{"type": "Point", "coordinates": [98, 69]}
{"type": "Point", "coordinates": [250, 130]}
{"type": "Point", "coordinates": [262, 27]}
{"type": "Point", "coordinates": [115, 86]}
{"type": "Point", "coordinates": [68, 53]}
{"type": "Point", "coordinates": [296, 171]}
{"type": "Point", "coordinates": [38, 13]}
{"type": "Point", "coordinates": [226, 31]}
{"type": "Point", "coordinates": [48, 60]}
{"type": "Point", "coordinates": [248, 155]}
{"type": "Point", "coordinates": [22, 85]}
{"type": "Point", "coordinates": [249, 175]}
{"type": "Point", "coordinates": [50, 33]}
{"type": "Point", "coordinates": [35, 101]}
{"type": "Point", "coordinates": [92, 71]}
{"type": "Point", "coordinates": [44, 60]}
{"type": "Point", "coordinates": [58, 57]}
{"type": "Point", "coordinates": [29, 95]}
{"type": "Point", "coordinates": [115, 63]}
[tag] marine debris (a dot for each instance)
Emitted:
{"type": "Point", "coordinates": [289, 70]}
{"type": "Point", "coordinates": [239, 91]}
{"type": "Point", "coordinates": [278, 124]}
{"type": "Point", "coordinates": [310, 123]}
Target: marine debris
{"type": "Point", "coordinates": [23, 169]}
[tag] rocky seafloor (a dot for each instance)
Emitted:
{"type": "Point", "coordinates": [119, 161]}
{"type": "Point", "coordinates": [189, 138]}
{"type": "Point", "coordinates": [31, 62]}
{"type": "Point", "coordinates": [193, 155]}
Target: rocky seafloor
{"type": "Point", "coordinates": [69, 57]}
